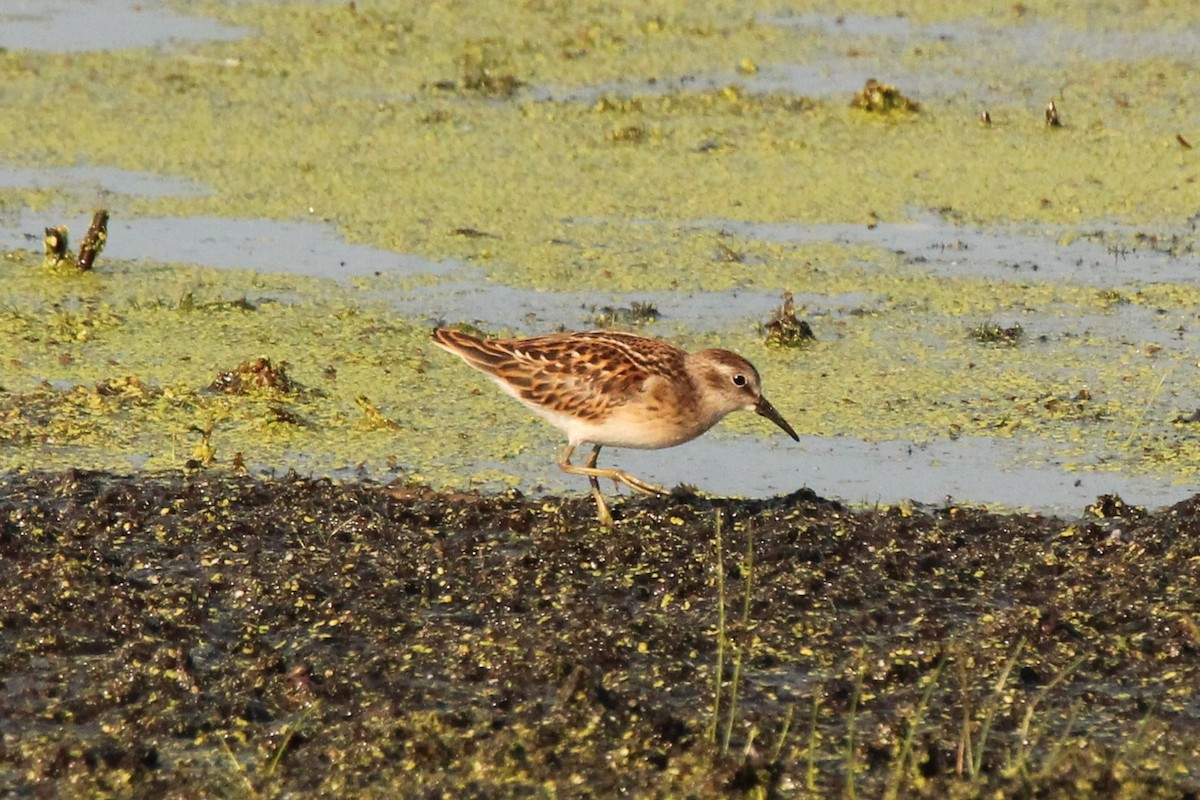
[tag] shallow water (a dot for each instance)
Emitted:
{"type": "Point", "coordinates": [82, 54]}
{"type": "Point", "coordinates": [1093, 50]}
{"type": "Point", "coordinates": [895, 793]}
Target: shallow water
{"type": "Point", "coordinates": [974, 471]}
{"type": "Point", "coordinates": [67, 26]}
{"type": "Point", "coordinates": [852, 47]}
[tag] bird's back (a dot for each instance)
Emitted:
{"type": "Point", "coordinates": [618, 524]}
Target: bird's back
{"type": "Point", "coordinates": [585, 374]}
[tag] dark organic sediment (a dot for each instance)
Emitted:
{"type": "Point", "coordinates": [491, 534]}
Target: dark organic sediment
{"type": "Point", "coordinates": [199, 635]}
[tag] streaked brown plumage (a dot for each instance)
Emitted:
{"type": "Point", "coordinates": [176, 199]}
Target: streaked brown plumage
{"type": "Point", "coordinates": [618, 389]}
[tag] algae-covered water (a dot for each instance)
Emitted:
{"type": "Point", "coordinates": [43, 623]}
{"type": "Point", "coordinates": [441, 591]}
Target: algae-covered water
{"type": "Point", "coordinates": [320, 183]}
{"type": "Point", "coordinates": [1004, 313]}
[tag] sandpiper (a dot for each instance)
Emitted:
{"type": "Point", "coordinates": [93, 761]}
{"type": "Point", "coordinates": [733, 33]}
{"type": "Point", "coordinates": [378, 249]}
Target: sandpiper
{"type": "Point", "coordinates": [619, 389]}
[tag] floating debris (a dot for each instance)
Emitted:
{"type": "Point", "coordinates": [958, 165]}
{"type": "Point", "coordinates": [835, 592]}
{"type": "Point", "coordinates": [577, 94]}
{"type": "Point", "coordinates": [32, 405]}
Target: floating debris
{"type": "Point", "coordinates": [1052, 118]}
{"type": "Point", "coordinates": [629, 134]}
{"type": "Point", "coordinates": [747, 66]}
{"type": "Point", "coordinates": [881, 98]}
{"type": "Point", "coordinates": [635, 314]}
{"type": "Point", "coordinates": [728, 254]}
{"type": "Point", "coordinates": [204, 454]}
{"type": "Point", "coordinates": [1111, 506]}
{"type": "Point", "coordinates": [254, 376]}
{"type": "Point", "coordinates": [994, 333]}
{"type": "Point", "coordinates": [284, 416]}
{"type": "Point", "coordinates": [94, 240]}
{"type": "Point", "coordinates": [483, 69]}
{"type": "Point", "coordinates": [128, 386]}
{"type": "Point", "coordinates": [188, 303]}
{"type": "Point", "coordinates": [57, 244]}
{"type": "Point", "coordinates": [1189, 419]}
{"type": "Point", "coordinates": [784, 330]}
{"type": "Point", "coordinates": [618, 103]}
{"type": "Point", "coordinates": [471, 233]}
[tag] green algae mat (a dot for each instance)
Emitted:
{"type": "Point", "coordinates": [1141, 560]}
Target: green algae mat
{"type": "Point", "coordinates": [559, 148]}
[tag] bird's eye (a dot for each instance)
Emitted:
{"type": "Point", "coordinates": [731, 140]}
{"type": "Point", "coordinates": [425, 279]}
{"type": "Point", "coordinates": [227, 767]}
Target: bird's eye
{"type": "Point", "coordinates": [739, 380]}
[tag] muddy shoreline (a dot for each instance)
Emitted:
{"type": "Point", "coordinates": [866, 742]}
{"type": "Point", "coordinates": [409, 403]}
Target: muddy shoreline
{"type": "Point", "coordinates": [191, 635]}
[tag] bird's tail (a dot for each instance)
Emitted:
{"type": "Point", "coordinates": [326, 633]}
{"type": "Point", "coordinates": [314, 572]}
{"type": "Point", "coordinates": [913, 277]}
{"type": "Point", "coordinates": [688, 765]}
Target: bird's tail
{"type": "Point", "coordinates": [484, 354]}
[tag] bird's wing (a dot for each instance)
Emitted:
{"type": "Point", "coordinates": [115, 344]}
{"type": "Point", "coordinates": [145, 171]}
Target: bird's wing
{"type": "Point", "coordinates": [582, 374]}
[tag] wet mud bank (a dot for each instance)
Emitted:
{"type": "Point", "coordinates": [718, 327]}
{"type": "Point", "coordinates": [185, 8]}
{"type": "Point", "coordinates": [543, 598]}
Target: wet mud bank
{"type": "Point", "coordinates": [199, 635]}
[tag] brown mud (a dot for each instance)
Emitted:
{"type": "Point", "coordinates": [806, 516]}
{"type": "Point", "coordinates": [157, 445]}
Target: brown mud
{"type": "Point", "coordinates": [199, 635]}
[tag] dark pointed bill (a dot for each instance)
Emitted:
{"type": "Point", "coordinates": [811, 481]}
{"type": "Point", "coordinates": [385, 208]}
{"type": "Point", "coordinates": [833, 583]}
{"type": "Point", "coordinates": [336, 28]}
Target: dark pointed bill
{"type": "Point", "coordinates": [768, 411]}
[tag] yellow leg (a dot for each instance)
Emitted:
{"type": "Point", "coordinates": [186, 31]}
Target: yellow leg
{"type": "Point", "coordinates": [593, 473]}
{"type": "Point", "coordinates": [606, 520]}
